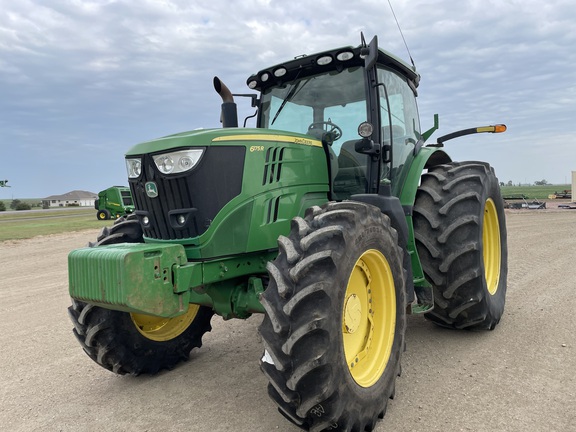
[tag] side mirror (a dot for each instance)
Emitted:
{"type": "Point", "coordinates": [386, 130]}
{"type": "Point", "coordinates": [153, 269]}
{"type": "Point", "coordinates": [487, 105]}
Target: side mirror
{"type": "Point", "coordinates": [368, 147]}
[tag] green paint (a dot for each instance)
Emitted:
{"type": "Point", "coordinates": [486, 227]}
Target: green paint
{"type": "Point", "coordinates": [157, 280]}
{"type": "Point", "coordinates": [407, 194]}
{"type": "Point", "coordinates": [253, 220]}
{"type": "Point", "coordinates": [433, 129]}
{"type": "Point", "coordinates": [128, 277]}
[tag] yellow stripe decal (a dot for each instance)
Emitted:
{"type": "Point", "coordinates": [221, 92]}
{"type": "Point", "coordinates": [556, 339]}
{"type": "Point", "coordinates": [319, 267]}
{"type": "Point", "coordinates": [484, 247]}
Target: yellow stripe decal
{"type": "Point", "coordinates": [486, 129]}
{"type": "Point", "coordinates": [276, 138]}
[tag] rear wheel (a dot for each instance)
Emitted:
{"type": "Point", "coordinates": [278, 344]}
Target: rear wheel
{"type": "Point", "coordinates": [335, 318]}
{"type": "Point", "coordinates": [460, 232]}
{"type": "Point", "coordinates": [136, 343]}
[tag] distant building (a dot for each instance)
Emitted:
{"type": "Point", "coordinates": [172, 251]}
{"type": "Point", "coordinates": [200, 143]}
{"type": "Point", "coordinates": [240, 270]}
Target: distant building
{"type": "Point", "coordinates": [75, 198]}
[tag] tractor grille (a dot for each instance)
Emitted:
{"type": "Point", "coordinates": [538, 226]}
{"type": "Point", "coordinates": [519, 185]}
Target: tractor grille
{"type": "Point", "coordinates": [273, 165]}
{"type": "Point", "coordinates": [194, 197]}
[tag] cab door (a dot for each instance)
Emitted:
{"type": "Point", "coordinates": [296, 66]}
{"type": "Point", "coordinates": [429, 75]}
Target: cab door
{"type": "Point", "coordinates": [400, 126]}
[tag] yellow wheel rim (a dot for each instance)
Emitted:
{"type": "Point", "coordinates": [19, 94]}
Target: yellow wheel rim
{"type": "Point", "coordinates": [491, 246]}
{"type": "Point", "coordinates": [163, 329]}
{"type": "Point", "coordinates": [369, 318]}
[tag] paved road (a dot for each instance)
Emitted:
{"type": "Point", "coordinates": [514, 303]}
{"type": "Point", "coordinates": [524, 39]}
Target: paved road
{"type": "Point", "coordinates": [519, 377]}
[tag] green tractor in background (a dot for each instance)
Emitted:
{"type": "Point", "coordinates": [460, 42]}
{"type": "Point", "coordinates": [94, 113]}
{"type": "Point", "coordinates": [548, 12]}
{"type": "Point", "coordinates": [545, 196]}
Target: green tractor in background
{"type": "Point", "coordinates": [332, 217]}
{"type": "Point", "coordinates": [114, 202]}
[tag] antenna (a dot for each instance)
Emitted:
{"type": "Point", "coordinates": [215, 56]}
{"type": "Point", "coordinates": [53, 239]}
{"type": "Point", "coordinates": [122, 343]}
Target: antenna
{"type": "Point", "coordinates": [401, 34]}
{"type": "Point", "coordinates": [362, 40]}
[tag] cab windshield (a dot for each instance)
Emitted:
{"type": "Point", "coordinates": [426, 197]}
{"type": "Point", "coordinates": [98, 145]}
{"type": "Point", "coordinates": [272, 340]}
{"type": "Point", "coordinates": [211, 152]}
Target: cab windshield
{"type": "Point", "coordinates": [314, 103]}
{"type": "Point", "coordinates": [338, 97]}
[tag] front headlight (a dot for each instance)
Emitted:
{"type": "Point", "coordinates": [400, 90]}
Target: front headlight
{"type": "Point", "coordinates": [178, 161]}
{"type": "Point", "coordinates": [134, 168]}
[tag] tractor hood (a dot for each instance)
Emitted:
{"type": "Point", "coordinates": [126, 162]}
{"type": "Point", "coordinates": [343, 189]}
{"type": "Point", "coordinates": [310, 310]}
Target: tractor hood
{"type": "Point", "coordinates": [194, 187]}
{"type": "Point", "coordinates": [206, 137]}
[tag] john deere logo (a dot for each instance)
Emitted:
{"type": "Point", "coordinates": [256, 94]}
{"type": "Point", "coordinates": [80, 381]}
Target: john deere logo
{"type": "Point", "coordinates": [151, 189]}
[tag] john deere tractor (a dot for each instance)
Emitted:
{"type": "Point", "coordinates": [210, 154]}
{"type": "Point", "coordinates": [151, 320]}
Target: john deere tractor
{"type": "Point", "coordinates": [333, 218]}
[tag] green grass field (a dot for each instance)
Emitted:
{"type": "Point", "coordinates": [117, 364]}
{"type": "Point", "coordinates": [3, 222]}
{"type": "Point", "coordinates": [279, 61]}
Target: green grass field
{"type": "Point", "coordinates": [533, 192]}
{"type": "Point", "coordinates": [28, 224]}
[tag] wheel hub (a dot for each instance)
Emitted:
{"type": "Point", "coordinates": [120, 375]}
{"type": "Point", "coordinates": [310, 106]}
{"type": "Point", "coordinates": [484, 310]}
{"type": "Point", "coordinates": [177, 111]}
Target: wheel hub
{"type": "Point", "coordinates": [369, 318]}
{"type": "Point", "coordinates": [164, 329]}
{"type": "Point", "coordinates": [352, 313]}
{"type": "Point", "coordinates": [492, 254]}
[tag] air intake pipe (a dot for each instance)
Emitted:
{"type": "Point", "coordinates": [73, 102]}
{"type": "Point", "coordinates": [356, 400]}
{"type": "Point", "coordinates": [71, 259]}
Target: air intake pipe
{"type": "Point", "coordinates": [229, 115]}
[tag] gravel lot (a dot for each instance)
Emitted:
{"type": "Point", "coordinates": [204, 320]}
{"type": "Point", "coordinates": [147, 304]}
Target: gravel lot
{"type": "Point", "coordinates": [519, 377]}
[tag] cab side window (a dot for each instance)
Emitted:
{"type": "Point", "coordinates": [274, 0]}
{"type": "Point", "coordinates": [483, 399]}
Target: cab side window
{"type": "Point", "coordinates": [399, 116]}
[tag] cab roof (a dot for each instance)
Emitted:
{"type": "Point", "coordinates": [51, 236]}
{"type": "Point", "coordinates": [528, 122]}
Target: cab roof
{"type": "Point", "coordinates": [336, 59]}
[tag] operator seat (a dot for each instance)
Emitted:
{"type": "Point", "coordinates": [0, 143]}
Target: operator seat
{"type": "Point", "coordinates": [351, 176]}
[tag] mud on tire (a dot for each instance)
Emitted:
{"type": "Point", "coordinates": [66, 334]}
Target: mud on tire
{"type": "Point", "coordinates": [127, 343]}
{"type": "Point", "coordinates": [460, 232]}
{"type": "Point", "coordinates": [336, 294]}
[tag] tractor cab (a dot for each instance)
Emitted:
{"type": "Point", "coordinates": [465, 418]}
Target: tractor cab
{"type": "Point", "coordinates": [360, 102]}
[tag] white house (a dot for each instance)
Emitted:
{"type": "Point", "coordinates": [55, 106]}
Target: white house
{"type": "Point", "coordinates": [75, 198]}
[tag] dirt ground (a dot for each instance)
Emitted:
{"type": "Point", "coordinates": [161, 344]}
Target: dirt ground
{"type": "Point", "coordinates": [519, 377]}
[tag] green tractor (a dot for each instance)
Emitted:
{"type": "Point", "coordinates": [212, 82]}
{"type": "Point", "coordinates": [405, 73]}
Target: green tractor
{"type": "Point", "coordinates": [332, 217]}
{"type": "Point", "coordinates": [114, 202]}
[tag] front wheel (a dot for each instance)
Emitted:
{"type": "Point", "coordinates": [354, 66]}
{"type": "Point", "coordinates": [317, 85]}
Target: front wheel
{"type": "Point", "coordinates": [460, 231]}
{"type": "Point", "coordinates": [127, 343]}
{"type": "Point", "coordinates": [137, 344]}
{"type": "Point", "coordinates": [335, 318]}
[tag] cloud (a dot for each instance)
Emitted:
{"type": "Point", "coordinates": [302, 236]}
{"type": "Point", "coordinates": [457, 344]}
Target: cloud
{"type": "Point", "coordinates": [85, 79]}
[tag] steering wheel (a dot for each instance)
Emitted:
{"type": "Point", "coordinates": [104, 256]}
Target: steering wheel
{"type": "Point", "coordinates": [326, 131]}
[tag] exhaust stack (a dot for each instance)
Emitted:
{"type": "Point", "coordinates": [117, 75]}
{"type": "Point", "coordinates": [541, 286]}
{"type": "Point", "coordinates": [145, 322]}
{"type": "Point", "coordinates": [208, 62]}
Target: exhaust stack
{"type": "Point", "coordinates": [229, 115]}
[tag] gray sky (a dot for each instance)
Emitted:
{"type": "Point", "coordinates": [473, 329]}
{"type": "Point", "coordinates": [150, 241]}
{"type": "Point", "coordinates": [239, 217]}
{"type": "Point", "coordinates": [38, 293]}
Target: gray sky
{"type": "Point", "coordinates": [82, 81]}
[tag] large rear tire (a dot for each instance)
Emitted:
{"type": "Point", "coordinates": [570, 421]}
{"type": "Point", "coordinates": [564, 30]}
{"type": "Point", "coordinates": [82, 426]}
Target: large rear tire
{"type": "Point", "coordinates": [127, 343]}
{"type": "Point", "coordinates": [335, 318]}
{"type": "Point", "coordinates": [460, 231]}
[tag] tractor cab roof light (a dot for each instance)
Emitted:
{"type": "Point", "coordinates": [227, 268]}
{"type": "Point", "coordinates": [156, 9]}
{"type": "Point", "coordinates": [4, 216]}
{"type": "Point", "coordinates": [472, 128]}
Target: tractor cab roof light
{"type": "Point", "coordinates": [324, 60]}
{"type": "Point", "coordinates": [280, 72]}
{"type": "Point", "coordinates": [345, 55]}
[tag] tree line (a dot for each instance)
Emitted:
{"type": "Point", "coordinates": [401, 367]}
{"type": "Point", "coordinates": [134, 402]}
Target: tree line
{"type": "Point", "coordinates": [16, 205]}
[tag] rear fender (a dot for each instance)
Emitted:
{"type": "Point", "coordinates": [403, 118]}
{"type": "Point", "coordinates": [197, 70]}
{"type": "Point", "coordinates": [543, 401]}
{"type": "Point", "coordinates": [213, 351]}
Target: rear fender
{"type": "Point", "coordinates": [426, 158]}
